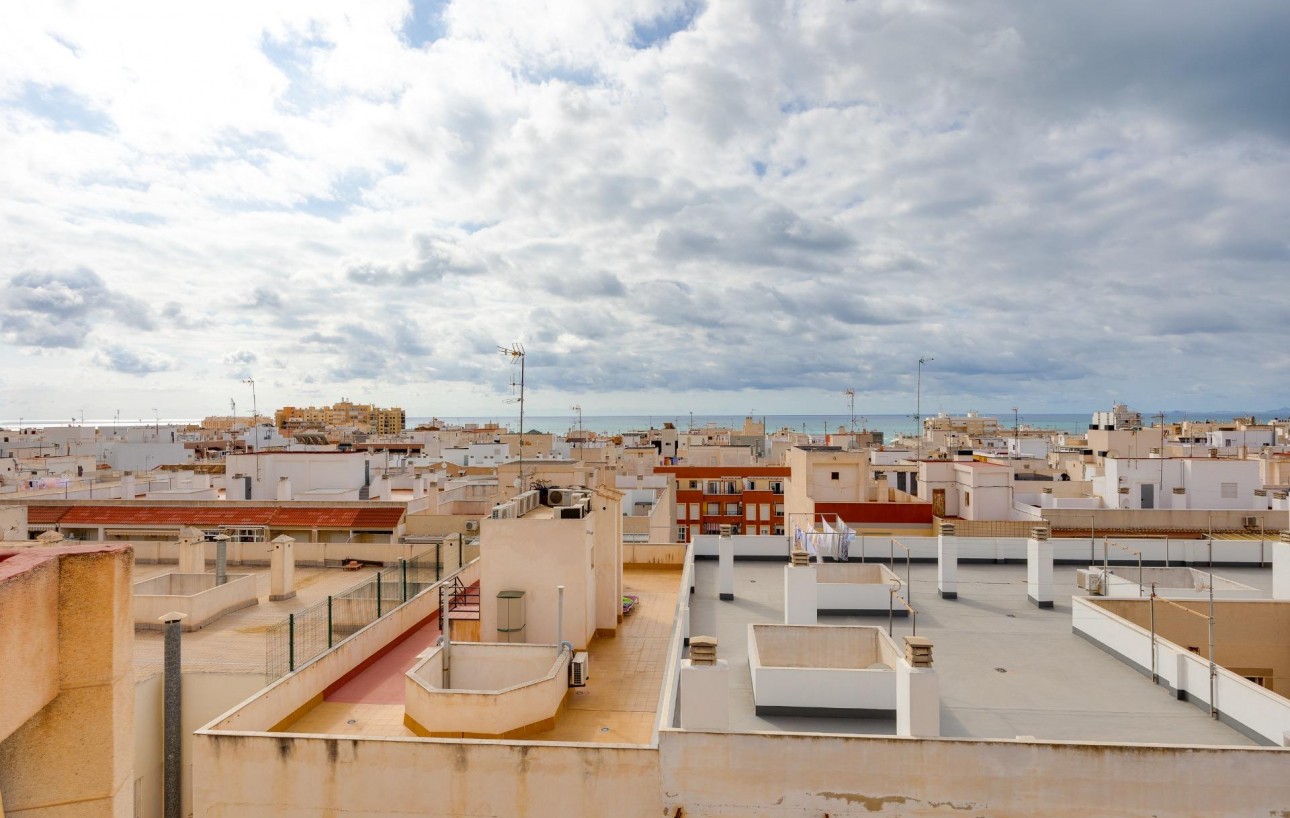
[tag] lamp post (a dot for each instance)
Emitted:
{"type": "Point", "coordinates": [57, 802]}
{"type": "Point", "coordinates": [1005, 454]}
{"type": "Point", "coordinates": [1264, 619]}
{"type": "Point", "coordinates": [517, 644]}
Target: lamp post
{"type": "Point", "coordinates": [918, 407]}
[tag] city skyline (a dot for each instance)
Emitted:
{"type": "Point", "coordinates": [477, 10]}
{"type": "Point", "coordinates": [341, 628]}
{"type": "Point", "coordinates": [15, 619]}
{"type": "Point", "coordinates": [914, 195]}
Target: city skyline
{"type": "Point", "coordinates": [709, 206]}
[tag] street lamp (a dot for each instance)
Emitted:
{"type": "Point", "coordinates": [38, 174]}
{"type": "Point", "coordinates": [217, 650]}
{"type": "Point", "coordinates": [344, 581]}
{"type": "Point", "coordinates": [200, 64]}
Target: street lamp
{"type": "Point", "coordinates": [918, 407]}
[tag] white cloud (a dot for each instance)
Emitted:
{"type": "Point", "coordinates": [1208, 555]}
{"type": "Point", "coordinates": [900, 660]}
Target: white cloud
{"type": "Point", "coordinates": [697, 200]}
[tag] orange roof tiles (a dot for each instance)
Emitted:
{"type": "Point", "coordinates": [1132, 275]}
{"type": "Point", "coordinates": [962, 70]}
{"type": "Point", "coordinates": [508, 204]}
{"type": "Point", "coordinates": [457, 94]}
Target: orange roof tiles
{"type": "Point", "coordinates": [180, 515]}
{"type": "Point", "coordinates": [45, 515]}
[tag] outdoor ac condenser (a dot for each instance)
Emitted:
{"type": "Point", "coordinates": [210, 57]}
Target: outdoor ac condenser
{"type": "Point", "coordinates": [578, 669]}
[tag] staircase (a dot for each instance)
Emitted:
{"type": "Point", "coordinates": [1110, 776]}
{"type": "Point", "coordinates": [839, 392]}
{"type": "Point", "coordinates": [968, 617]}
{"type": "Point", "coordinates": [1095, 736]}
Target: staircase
{"type": "Point", "coordinates": [463, 609]}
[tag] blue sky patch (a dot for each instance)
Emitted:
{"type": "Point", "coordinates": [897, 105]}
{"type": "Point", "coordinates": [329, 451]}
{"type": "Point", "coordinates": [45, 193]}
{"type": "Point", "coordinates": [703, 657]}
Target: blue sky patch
{"type": "Point", "coordinates": [658, 30]}
{"type": "Point", "coordinates": [62, 107]}
{"type": "Point", "coordinates": [424, 23]}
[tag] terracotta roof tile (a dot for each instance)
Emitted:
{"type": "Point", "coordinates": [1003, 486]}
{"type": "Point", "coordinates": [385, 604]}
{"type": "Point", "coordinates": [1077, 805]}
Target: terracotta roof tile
{"type": "Point", "coordinates": [45, 515]}
{"type": "Point", "coordinates": [210, 516]}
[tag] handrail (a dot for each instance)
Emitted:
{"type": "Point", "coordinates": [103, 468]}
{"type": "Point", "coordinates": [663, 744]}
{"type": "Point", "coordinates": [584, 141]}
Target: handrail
{"type": "Point", "coordinates": [1213, 668]}
{"type": "Point", "coordinates": [891, 609]}
{"type": "Point", "coordinates": [909, 593]}
{"type": "Point", "coordinates": [1106, 570]}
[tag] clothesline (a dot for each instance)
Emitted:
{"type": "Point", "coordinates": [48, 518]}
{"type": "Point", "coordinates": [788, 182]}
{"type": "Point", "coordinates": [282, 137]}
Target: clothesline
{"type": "Point", "coordinates": [833, 542]}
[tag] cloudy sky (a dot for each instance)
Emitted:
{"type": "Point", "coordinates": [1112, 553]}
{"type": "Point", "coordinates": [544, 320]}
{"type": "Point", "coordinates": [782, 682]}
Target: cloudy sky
{"type": "Point", "coordinates": [673, 206]}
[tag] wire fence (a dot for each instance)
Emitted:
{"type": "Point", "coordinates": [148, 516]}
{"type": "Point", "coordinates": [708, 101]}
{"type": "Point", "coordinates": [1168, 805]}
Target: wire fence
{"type": "Point", "coordinates": [308, 633]}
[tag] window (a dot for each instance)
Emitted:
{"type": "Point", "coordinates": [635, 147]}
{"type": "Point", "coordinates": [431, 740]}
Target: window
{"type": "Point", "coordinates": [712, 509]}
{"type": "Point", "coordinates": [694, 511]}
{"type": "Point", "coordinates": [779, 509]}
{"type": "Point", "coordinates": [680, 512]}
{"type": "Point", "coordinates": [765, 511]}
{"type": "Point", "coordinates": [776, 487]}
{"type": "Point", "coordinates": [752, 511]}
{"type": "Point", "coordinates": [835, 475]}
{"type": "Point", "coordinates": [779, 530]}
{"type": "Point", "coordinates": [1229, 491]}
{"type": "Point", "coordinates": [733, 510]}
{"type": "Point", "coordinates": [714, 487]}
{"type": "Point", "coordinates": [681, 532]}
{"type": "Point", "coordinates": [765, 529]}
{"type": "Point", "coordinates": [694, 484]}
{"type": "Point", "coordinates": [967, 499]}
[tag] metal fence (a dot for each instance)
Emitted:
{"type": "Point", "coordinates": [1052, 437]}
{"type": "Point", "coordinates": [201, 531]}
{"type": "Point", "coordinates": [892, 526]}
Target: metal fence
{"type": "Point", "coordinates": [305, 634]}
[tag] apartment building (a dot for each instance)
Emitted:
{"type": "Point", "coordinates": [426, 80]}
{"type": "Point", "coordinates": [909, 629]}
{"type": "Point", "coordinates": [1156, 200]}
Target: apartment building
{"type": "Point", "coordinates": [364, 417]}
{"type": "Point", "coordinates": [749, 499]}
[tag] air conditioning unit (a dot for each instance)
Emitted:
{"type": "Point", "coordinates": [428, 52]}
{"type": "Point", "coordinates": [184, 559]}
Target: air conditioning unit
{"type": "Point", "coordinates": [472, 525]}
{"type": "Point", "coordinates": [1250, 522]}
{"type": "Point", "coordinates": [579, 669]}
{"type": "Point", "coordinates": [572, 512]}
{"type": "Point", "coordinates": [559, 497]}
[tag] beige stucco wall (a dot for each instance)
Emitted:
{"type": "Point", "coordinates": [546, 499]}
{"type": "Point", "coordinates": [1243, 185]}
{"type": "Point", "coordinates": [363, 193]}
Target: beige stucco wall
{"type": "Point", "coordinates": [13, 523]}
{"type": "Point", "coordinates": [496, 689]}
{"type": "Point", "coordinates": [203, 696]}
{"type": "Point", "coordinates": [195, 595]}
{"type": "Point", "coordinates": [250, 776]}
{"type": "Point", "coordinates": [607, 518]}
{"type": "Point", "coordinates": [29, 673]}
{"type": "Point", "coordinates": [73, 756]}
{"type": "Point", "coordinates": [1247, 633]}
{"type": "Point", "coordinates": [713, 774]}
{"type": "Point", "coordinates": [536, 556]}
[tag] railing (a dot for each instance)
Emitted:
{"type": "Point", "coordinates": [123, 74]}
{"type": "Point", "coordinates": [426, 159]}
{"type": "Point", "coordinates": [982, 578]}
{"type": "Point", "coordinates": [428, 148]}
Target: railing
{"type": "Point", "coordinates": [909, 589]}
{"type": "Point", "coordinates": [892, 597]}
{"type": "Point", "coordinates": [314, 630]}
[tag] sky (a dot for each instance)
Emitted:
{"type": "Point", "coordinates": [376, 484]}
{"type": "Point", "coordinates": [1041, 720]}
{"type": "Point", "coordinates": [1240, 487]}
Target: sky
{"type": "Point", "coordinates": [671, 206]}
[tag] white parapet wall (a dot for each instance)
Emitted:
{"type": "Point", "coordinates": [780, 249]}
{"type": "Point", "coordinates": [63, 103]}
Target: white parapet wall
{"type": "Point", "coordinates": [1171, 583]}
{"type": "Point", "coordinates": [823, 670]}
{"type": "Point", "coordinates": [1066, 550]}
{"type": "Point", "coordinates": [1252, 709]}
{"type": "Point", "coordinates": [859, 588]}
{"type": "Point", "coordinates": [194, 595]}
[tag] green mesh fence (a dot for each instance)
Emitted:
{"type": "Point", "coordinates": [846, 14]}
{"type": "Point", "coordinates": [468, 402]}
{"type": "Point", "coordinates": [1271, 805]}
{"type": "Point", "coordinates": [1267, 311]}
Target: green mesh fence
{"type": "Point", "coordinates": [308, 633]}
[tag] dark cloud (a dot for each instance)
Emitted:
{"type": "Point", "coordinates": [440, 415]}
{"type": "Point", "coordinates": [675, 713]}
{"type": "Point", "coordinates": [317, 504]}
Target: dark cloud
{"type": "Point", "coordinates": [62, 308]}
{"type": "Point", "coordinates": [130, 362]}
{"type": "Point", "coordinates": [432, 258]}
{"type": "Point", "coordinates": [240, 363]}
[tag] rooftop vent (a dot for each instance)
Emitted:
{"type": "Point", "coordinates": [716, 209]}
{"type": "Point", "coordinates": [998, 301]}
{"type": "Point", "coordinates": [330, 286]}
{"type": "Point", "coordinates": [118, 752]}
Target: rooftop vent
{"type": "Point", "coordinates": [703, 650]}
{"type": "Point", "coordinates": [918, 651]}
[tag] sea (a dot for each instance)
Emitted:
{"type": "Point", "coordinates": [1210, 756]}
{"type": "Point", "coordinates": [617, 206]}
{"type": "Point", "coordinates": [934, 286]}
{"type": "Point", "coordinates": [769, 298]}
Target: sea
{"type": "Point", "coordinates": [890, 425]}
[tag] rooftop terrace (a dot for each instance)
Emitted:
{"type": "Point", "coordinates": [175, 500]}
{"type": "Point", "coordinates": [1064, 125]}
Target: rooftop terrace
{"type": "Point", "coordinates": [1006, 667]}
{"type": "Point", "coordinates": [618, 704]}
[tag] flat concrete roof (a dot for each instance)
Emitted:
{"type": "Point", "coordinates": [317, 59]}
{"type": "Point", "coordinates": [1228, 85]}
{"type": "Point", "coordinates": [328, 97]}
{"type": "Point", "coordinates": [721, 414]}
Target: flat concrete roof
{"type": "Point", "coordinates": [1006, 667]}
{"type": "Point", "coordinates": [236, 642]}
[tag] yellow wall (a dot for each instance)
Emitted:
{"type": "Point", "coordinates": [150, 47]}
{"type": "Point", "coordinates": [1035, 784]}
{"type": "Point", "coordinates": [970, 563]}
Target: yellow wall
{"type": "Point", "coordinates": [1247, 633]}
{"type": "Point", "coordinates": [74, 755]}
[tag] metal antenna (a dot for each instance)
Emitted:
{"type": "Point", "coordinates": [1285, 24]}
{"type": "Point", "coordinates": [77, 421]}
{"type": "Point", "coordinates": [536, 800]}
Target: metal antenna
{"type": "Point", "coordinates": [516, 353]}
{"type": "Point", "coordinates": [851, 396]}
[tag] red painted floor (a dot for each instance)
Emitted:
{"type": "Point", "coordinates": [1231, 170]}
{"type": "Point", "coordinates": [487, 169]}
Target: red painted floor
{"type": "Point", "coordinates": [382, 682]}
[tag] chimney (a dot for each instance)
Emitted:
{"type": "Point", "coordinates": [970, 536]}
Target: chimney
{"type": "Point", "coordinates": [703, 650]}
{"type": "Point", "coordinates": [918, 651]}
{"type": "Point", "coordinates": [284, 488]}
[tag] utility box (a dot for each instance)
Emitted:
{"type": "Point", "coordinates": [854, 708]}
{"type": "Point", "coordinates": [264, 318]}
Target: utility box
{"type": "Point", "coordinates": [510, 616]}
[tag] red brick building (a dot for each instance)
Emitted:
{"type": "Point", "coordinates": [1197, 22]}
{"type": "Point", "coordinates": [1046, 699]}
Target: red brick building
{"type": "Point", "coordinates": [750, 499]}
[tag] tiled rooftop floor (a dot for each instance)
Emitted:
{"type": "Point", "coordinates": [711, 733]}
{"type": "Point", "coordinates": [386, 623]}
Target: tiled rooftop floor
{"type": "Point", "coordinates": [617, 705]}
{"type": "Point", "coordinates": [235, 643]}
